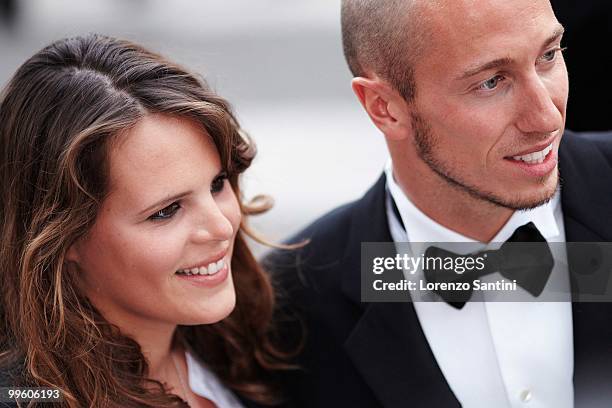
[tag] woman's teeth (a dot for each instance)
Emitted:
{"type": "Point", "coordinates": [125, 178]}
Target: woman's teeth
{"type": "Point", "coordinates": [210, 269]}
{"type": "Point", "coordinates": [536, 157]}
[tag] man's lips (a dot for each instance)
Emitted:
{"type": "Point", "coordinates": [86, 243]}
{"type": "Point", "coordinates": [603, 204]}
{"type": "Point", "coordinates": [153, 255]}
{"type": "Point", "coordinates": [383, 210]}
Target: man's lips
{"type": "Point", "coordinates": [533, 149]}
{"type": "Point", "coordinates": [535, 167]}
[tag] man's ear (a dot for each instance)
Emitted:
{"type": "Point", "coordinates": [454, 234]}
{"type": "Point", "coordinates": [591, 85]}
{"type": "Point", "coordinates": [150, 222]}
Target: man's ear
{"type": "Point", "coordinates": [386, 107]}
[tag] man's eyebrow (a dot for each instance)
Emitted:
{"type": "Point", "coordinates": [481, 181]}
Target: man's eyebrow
{"type": "Point", "coordinates": [501, 62]}
{"type": "Point", "coordinates": [555, 36]}
{"type": "Point", "coordinates": [498, 63]}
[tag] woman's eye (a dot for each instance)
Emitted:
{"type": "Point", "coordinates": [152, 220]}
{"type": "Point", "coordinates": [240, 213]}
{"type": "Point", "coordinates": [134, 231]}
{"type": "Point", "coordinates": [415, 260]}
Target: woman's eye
{"type": "Point", "coordinates": [491, 83]}
{"type": "Point", "coordinates": [218, 183]}
{"type": "Point", "coordinates": [166, 213]}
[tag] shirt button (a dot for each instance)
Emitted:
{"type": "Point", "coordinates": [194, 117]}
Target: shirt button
{"type": "Point", "coordinates": [526, 396]}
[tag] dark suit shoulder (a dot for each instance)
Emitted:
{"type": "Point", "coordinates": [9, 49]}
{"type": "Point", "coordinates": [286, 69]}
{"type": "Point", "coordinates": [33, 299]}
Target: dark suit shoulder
{"type": "Point", "coordinates": [602, 142]}
{"type": "Point", "coordinates": [324, 244]}
{"type": "Point", "coordinates": [334, 245]}
{"type": "Point", "coordinates": [588, 144]}
{"type": "Point", "coordinates": [597, 137]}
{"type": "Point", "coordinates": [324, 230]}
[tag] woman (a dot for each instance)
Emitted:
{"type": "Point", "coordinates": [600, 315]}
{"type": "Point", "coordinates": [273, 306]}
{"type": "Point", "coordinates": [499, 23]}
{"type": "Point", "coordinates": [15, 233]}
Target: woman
{"type": "Point", "coordinates": [125, 276]}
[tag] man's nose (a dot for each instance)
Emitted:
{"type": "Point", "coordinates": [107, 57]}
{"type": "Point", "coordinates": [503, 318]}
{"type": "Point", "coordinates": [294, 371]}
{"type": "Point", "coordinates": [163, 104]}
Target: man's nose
{"type": "Point", "coordinates": [537, 110]}
{"type": "Point", "coordinates": [212, 223]}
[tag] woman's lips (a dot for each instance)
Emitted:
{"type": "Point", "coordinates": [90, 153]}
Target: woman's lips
{"type": "Point", "coordinates": [208, 279]}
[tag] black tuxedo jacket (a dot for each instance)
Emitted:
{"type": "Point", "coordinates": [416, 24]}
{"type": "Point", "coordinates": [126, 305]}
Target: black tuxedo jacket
{"type": "Point", "coordinates": [375, 355]}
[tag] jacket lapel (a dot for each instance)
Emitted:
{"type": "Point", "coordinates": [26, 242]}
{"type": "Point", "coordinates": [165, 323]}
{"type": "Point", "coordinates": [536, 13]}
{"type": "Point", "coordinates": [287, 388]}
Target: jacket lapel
{"type": "Point", "coordinates": [387, 344]}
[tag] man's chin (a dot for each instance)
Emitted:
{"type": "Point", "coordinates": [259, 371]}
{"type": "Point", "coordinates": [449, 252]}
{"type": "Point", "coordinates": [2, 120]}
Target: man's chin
{"type": "Point", "coordinates": [532, 197]}
{"type": "Point", "coordinates": [512, 196]}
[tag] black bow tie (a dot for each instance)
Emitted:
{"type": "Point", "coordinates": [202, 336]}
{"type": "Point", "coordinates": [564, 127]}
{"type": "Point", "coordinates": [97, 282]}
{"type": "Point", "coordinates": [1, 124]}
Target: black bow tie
{"type": "Point", "coordinates": [529, 265]}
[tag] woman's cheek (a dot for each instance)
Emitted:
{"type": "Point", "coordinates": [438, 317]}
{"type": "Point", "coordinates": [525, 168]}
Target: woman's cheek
{"type": "Point", "coordinates": [159, 250]}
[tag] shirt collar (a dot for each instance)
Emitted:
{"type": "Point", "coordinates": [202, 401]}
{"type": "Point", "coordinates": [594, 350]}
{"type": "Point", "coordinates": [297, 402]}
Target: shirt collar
{"type": "Point", "coordinates": [421, 228]}
{"type": "Point", "coordinates": [205, 383]}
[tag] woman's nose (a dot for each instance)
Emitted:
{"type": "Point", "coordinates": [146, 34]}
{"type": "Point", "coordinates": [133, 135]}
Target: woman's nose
{"type": "Point", "coordinates": [213, 222]}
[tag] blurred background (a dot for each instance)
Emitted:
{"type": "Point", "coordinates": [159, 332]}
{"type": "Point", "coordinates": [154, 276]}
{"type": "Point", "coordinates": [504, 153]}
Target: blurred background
{"type": "Point", "coordinates": [280, 64]}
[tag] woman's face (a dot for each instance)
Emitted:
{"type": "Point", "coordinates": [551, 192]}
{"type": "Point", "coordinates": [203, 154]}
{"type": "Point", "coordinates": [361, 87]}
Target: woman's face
{"type": "Point", "coordinates": [170, 214]}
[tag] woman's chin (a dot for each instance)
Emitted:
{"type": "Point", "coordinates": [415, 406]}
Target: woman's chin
{"type": "Point", "coordinates": [210, 310]}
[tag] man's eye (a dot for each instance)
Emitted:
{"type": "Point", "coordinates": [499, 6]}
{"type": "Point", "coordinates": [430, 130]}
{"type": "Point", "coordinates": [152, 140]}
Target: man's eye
{"type": "Point", "coordinates": [491, 84]}
{"type": "Point", "coordinates": [166, 213]}
{"type": "Point", "coordinates": [218, 183]}
{"type": "Point", "coordinates": [551, 55]}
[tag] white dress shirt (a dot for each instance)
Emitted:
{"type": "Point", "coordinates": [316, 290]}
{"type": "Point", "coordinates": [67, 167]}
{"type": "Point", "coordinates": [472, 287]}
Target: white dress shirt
{"type": "Point", "coordinates": [497, 354]}
{"type": "Point", "coordinates": [205, 383]}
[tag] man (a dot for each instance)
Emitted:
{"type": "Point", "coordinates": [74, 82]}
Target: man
{"type": "Point", "coordinates": [471, 98]}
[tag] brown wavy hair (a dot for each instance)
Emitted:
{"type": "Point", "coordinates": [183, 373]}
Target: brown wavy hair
{"type": "Point", "coordinates": [58, 115]}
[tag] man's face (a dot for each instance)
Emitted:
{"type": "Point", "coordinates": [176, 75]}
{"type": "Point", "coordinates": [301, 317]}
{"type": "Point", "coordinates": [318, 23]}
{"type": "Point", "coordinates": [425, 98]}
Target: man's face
{"type": "Point", "coordinates": [491, 99]}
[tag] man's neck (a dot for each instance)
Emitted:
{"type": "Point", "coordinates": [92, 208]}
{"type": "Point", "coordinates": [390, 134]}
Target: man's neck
{"type": "Point", "coordinates": [450, 206]}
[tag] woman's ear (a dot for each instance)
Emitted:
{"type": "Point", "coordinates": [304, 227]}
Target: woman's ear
{"type": "Point", "coordinates": [386, 107]}
{"type": "Point", "coordinates": [72, 255]}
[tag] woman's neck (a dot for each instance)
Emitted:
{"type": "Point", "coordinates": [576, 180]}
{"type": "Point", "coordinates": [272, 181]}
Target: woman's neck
{"type": "Point", "coordinates": [157, 345]}
{"type": "Point", "coordinates": [156, 339]}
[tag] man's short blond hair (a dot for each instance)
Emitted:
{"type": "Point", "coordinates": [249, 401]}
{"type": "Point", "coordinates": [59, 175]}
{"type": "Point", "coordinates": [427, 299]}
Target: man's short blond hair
{"type": "Point", "coordinates": [384, 37]}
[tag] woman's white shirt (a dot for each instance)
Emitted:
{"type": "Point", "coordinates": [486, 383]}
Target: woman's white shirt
{"type": "Point", "coordinates": [205, 383]}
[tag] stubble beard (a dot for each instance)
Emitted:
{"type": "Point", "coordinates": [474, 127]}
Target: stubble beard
{"type": "Point", "coordinates": [425, 143]}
